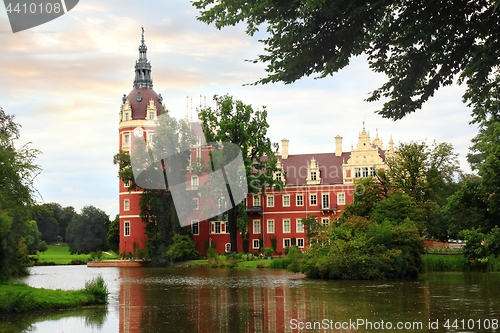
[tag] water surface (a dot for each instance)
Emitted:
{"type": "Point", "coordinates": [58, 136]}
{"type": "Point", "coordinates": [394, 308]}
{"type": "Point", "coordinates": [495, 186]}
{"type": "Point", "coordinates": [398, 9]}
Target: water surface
{"type": "Point", "coordinates": [234, 300]}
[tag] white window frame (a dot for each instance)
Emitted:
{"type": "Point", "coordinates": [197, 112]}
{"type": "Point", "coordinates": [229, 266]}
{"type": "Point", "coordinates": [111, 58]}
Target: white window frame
{"type": "Point", "coordinates": [256, 226]}
{"type": "Point", "coordinates": [254, 242]}
{"type": "Point", "coordinates": [325, 221]}
{"type": "Point", "coordinates": [126, 205]}
{"type": "Point", "coordinates": [286, 200]}
{"type": "Point", "coordinates": [311, 201]}
{"type": "Point", "coordinates": [151, 115]}
{"type": "Point", "coordinates": [195, 181]}
{"type": "Point", "coordinates": [227, 248]}
{"type": "Point", "coordinates": [196, 203]}
{"type": "Point", "coordinates": [301, 196]}
{"type": "Point", "coordinates": [323, 200]}
{"type": "Point", "coordinates": [299, 226]}
{"type": "Point", "coordinates": [126, 228]}
{"type": "Point", "coordinates": [270, 223]}
{"type": "Point", "coordinates": [256, 200]}
{"type": "Point", "coordinates": [341, 198]}
{"type": "Point", "coordinates": [285, 241]}
{"type": "Point", "coordinates": [270, 201]}
{"type": "Point", "coordinates": [313, 175]}
{"type": "Point", "coordinates": [300, 240]}
{"type": "Point", "coordinates": [195, 224]}
{"type": "Point", "coordinates": [126, 138]}
{"type": "Point", "coordinates": [289, 226]}
{"type": "Point", "coordinates": [357, 172]}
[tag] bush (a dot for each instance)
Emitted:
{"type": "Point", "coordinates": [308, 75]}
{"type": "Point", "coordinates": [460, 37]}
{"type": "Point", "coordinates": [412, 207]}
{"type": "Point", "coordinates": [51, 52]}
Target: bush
{"type": "Point", "coordinates": [98, 289]}
{"type": "Point", "coordinates": [355, 250]}
{"type": "Point", "coordinates": [182, 248]}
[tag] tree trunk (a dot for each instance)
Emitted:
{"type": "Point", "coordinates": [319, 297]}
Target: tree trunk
{"type": "Point", "coordinates": [233, 229]}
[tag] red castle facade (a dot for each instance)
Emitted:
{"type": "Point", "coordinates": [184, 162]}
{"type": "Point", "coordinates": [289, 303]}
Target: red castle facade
{"type": "Point", "coordinates": [319, 184]}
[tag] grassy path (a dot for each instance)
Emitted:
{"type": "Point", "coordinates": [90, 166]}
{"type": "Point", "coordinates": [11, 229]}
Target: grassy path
{"type": "Point", "coordinates": [60, 255]}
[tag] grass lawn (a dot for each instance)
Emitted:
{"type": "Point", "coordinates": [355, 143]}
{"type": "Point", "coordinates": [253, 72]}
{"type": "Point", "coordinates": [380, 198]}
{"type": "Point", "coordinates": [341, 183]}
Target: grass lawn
{"type": "Point", "coordinates": [264, 263]}
{"type": "Point", "coordinates": [19, 297]}
{"type": "Point", "coordinates": [60, 255]}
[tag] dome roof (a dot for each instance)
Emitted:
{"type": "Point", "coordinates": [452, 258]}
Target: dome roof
{"type": "Point", "coordinates": [139, 99]}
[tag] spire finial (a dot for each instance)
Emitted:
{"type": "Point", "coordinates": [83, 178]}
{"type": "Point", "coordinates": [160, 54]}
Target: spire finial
{"type": "Point", "coordinates": [363, 125]}
{"type": "Point", "coordinates": [143, 78]}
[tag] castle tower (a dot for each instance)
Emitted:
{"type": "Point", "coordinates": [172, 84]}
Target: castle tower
{"type": "Point", "coordinates": [137, 119]}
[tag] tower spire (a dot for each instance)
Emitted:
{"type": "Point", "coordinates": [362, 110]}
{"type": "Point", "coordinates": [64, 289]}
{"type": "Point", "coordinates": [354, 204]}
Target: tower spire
{"type": "Point", "coordinates": [143, 77]}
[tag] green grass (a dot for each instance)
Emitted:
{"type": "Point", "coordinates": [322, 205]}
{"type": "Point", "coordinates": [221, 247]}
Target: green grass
{"type": "Point", "coordinates": [258, 263]}
{"type": "Point", "coordinates": [19, 297]}
{"type": "Point", "coordinates": [60, 255]}
{"type": "Point", "coordinates": [458, 263]}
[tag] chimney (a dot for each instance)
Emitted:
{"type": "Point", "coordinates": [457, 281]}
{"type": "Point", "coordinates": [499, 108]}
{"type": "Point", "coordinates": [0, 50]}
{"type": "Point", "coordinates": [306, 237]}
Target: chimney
{"type": "Point", "coordinates": [338, 145]}
{"type": "Point", "coordinates": [284, 149]}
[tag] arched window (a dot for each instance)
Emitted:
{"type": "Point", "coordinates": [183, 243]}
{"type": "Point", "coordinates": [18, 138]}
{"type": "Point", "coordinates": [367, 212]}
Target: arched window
{"type": "Point", "coordinates": [228, 247]}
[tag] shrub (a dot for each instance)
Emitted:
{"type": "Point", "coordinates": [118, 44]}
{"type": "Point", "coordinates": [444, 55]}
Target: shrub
{"type": "Point", "coordinates": [182, 248]}
{"type": "Point", "coordinates": [98, 289]}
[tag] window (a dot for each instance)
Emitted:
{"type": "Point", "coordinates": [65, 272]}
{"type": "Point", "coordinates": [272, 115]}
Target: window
{"type": "Point", "coordinates": [286, 200]}
{"type": "Point", "coordinates": [194, 181]}
{"type": "Point", "coordinates": [195, 227]}
{"type": "Point", "coordinates": [299, 200]}
{"type": "Point", "coordinates": [228, 247]}
{"type": "Point", "coordinates": [217, 227]}
{"type": "Point", "coordinates": [126, 204]}
{"type": "Point", "coordinates": [256, 200]}
{"type": "Point", "coordinates": [372, 171]}
{"type": "Point", "coordinates": [126, 228]}
{"type": "Point", "coordinates": [150, 137]}
{"type": "Point", "coordinates": [300, 225]}
{"type": "Point", "coordinates": [256, 227]}
{"type": "Point", "coordinates": [326, 201]}
{"type": "Point", "coordinates": [255, 244]}
{"type": "Point", "coordinates": [313, 175]}
{"type": "Point", "coordinates": [325, 221]}
{"type": "Point", "coordinates": [196, 203]}
{"type": "Point", "coordinates": [151, 115]}
{"type": "Point", "coordinates": [127, 138]}
{"type": "Point", "coordinates": [341, 198]}
{"type": "Point", "coordinates": [270, 201]}
{"type": "Point", "coordinates": [126, 184]}
{"type": "Point", "coordinates": [126, 116]}
{"type": "Point", "coordinates": [365, 172]}
{"type": "Point", "coordinates": [286, 225]}
{"type": "Point", "coordinates": [300, 242]}
{"type": "Point", "coordinates": [313, 201]}
{"type": "Point", "coordinates": [357, 172]}
{"type": "Point", "coordinates": [278, 176]}
{"type": "Point", "coordinates": [287, 242]}
{"type": "Point", "coordinates": [270, 226]}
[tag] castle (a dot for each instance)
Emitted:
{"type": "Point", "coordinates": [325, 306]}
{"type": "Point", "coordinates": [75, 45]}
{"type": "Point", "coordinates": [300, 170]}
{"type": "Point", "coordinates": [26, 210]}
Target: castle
{"type": "Point", "coordinates": [319, 184]}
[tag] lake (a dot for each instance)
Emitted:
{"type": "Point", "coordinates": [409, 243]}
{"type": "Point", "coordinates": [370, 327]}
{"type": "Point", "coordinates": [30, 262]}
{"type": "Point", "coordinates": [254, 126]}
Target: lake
{"type": "Point", "coordinates": [263, 300]}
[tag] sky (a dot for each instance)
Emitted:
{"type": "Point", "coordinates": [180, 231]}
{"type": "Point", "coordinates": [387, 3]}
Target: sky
{"type": "Point", "coordinates": [64, 81]}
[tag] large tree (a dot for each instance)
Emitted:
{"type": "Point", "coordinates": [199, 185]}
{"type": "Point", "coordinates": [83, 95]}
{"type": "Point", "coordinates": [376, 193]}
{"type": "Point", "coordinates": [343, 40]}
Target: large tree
{"type": "Point", "coordinates": [19, 235]}
{"type": "Point", "coordinates": [88, 231]}
{"type": "Point", "coordinates": [419, 45]}
{"type": "Point", "coordinates": [161, 164]}
{"type": "Point", "coordinates": [238, 123]}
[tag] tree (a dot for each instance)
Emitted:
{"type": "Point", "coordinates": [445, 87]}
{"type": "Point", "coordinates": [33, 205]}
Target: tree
{"type": "Point", "coordinates": [485, 158]}
{"type": "Point", "coordinates": [419, 45]}
{"type": "Point", "coordinates": [168, 154]}
{"type": "Point", "coordinates": [235, 122]}
{"type": "Point", "coordinates": [19, 236]}
{"type": "Point", "coordinates": [113, 236]}
{"type": "Point", "coordinates": [87, 231]}
{"type": "Point", "coordinates": [422, 172]}
{"type": "Point", "coordinates": [44, 215]}
{"type": "Point", "coordinates": [182, 248]}
{"type": "Point", "coordinates": [65, 218]}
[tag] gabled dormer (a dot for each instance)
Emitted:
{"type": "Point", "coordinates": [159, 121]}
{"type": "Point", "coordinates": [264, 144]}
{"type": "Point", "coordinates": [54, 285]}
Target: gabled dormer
{"type": "Point", "coordinates": [313, 174]}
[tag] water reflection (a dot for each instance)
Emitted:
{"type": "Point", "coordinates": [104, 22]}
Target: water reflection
{"type": "Point", "coordinates": [230, 300]}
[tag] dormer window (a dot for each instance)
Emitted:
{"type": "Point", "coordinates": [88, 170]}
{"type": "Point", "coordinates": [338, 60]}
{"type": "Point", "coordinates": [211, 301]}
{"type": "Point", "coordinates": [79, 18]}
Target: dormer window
{"type": "Point", "coordinates": [151, 115]}
{"type": "Point", "coordinates": [278, 176]}
{"type": "Point", "coordinates": [126, 116]}
{"type": "Point", "coordinates": [313, 175]}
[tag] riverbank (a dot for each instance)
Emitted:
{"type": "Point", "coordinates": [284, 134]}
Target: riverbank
{"type": "Point", "coordinates": [442, 262]}
{"type": "Point", "coordinates": [19, 297]}
{"type": "Point", "coordinates": [60, 255]}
